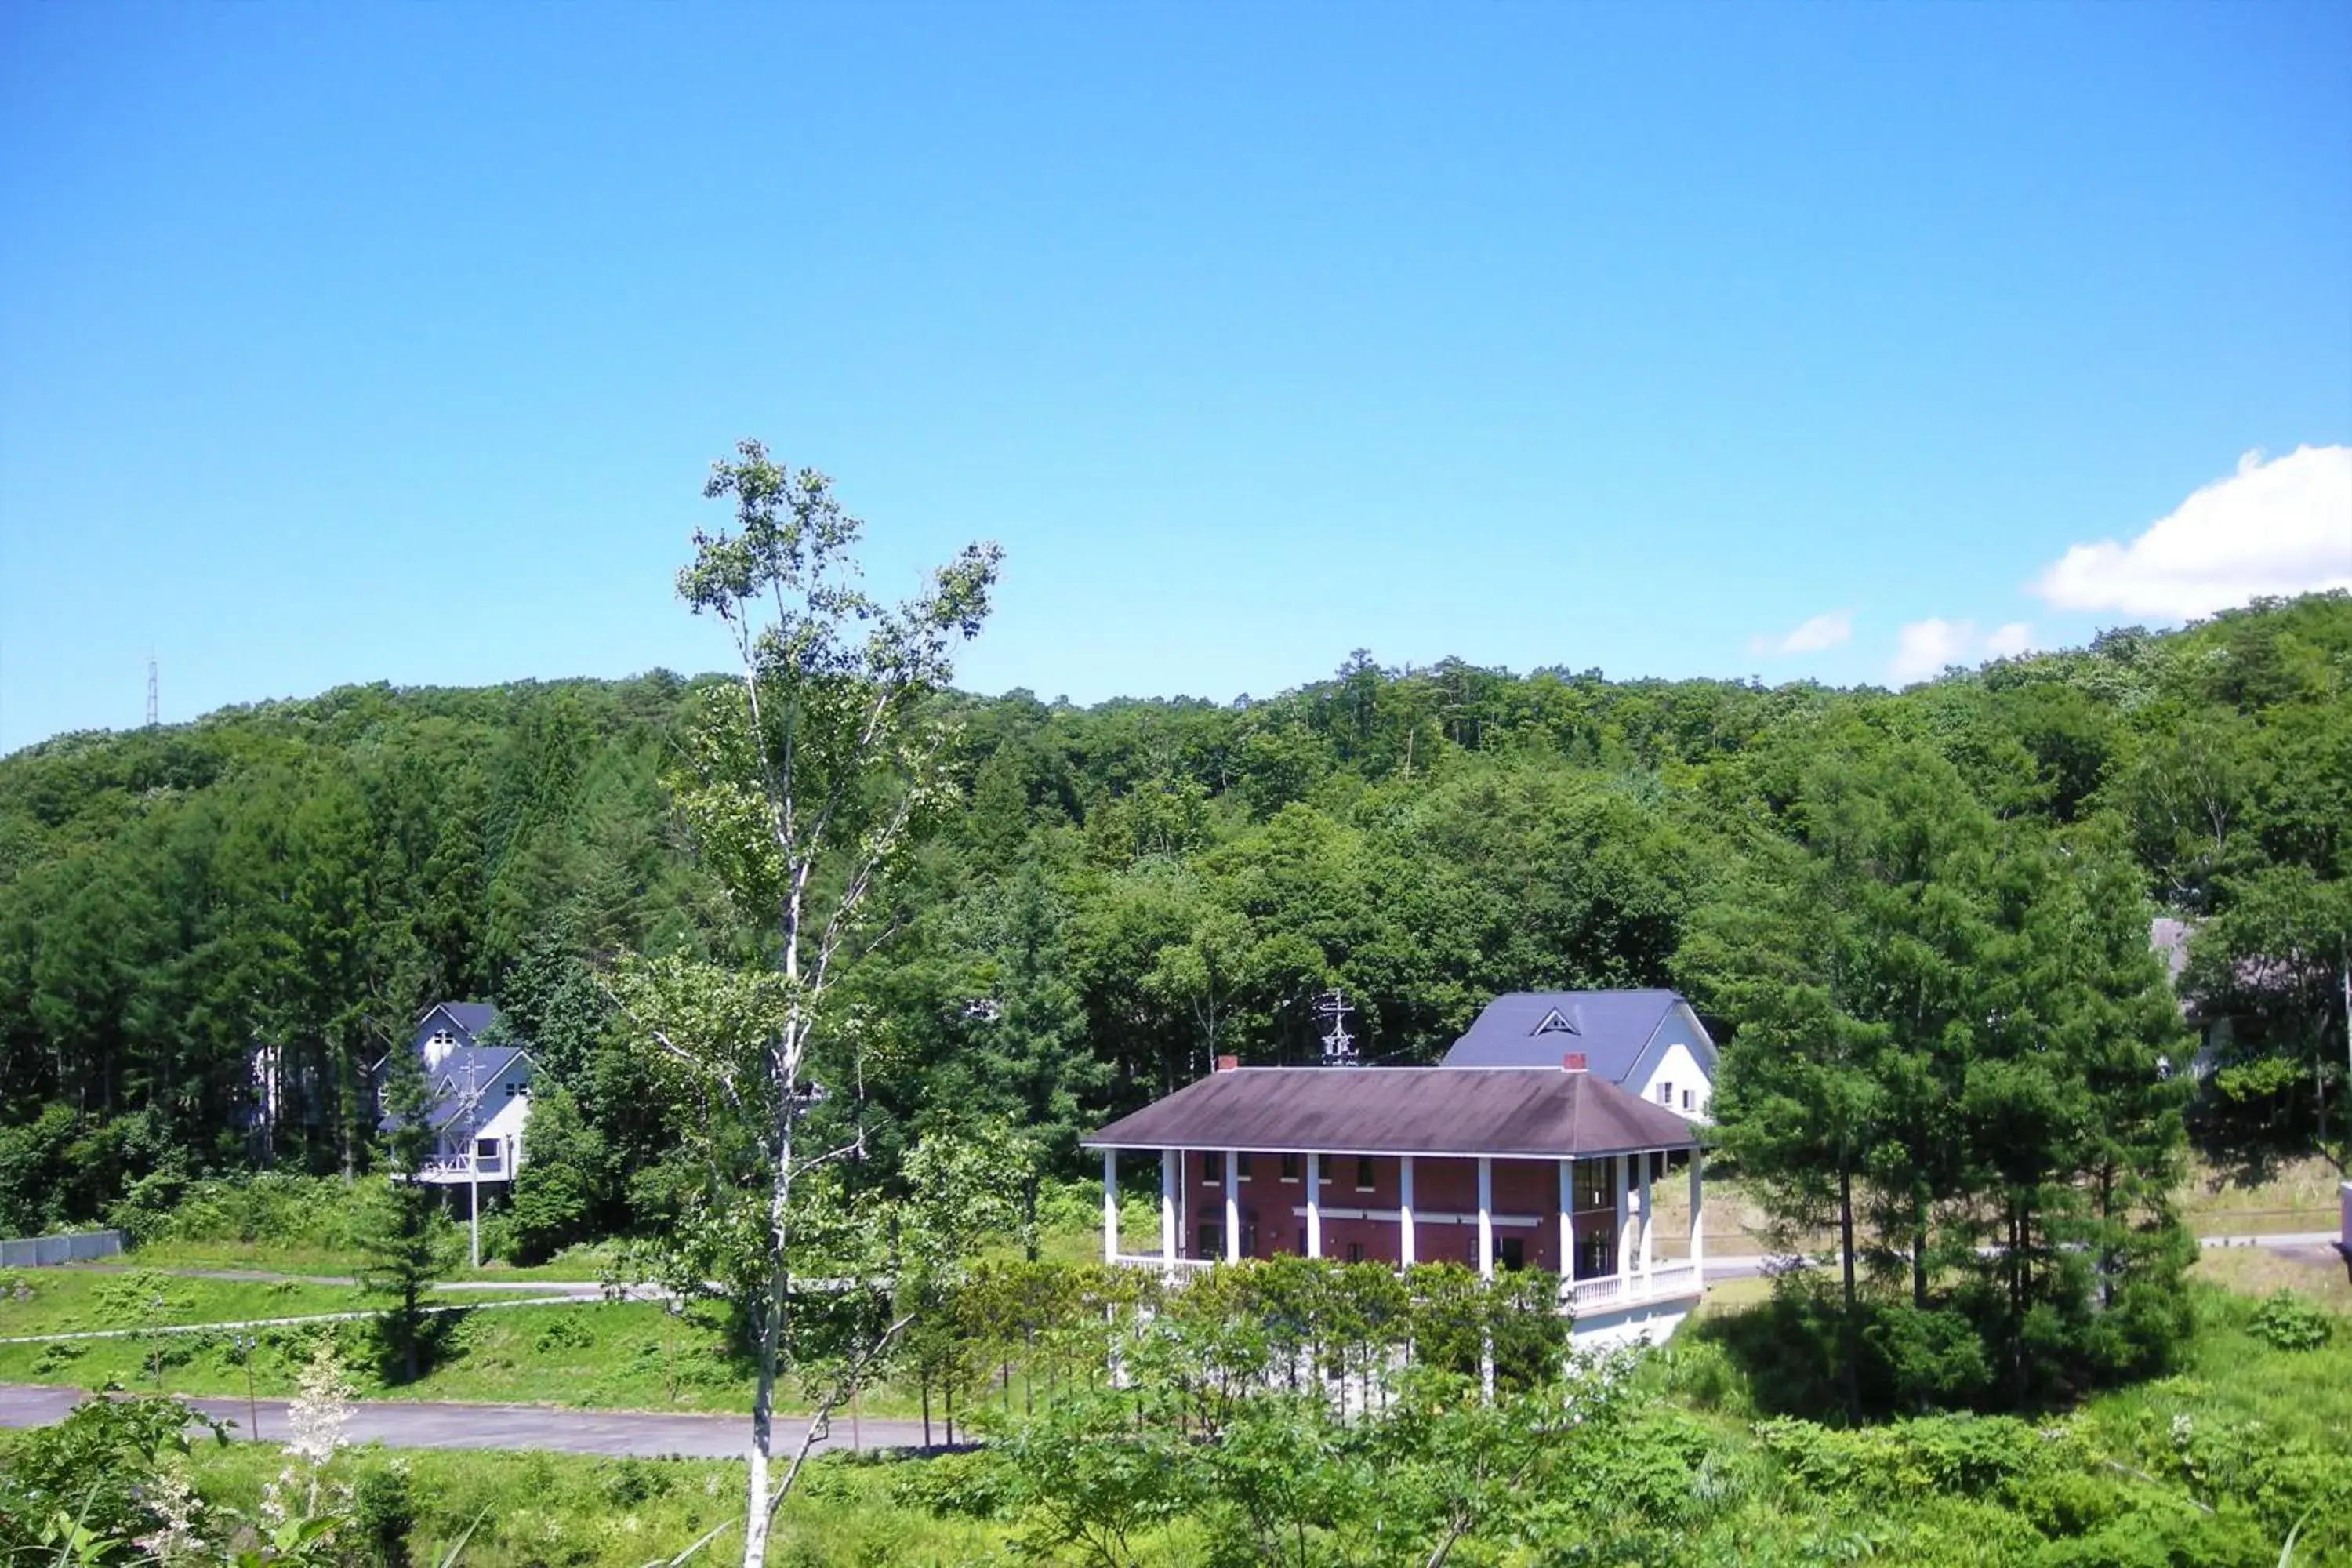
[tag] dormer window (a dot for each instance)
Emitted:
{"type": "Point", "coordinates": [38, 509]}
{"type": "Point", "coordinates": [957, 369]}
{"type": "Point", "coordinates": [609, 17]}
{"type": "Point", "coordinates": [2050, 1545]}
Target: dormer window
{"type": "Point", "coordinates": [1555, 1023]}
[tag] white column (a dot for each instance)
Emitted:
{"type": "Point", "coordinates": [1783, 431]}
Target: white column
{"type": "Point", "coordinates": [1405, 1212]}
{"type": "Point", "coordinates": [1568, 1223]}
{"type": "Point", "coordinates": [1172, 1175]}
{"type": "Point", "coordinates": [1646, 1211]}
{"type": "Point", "coordinates": [1110, 1205]}
{"type": "Point", "coordinates": [1624, 1253]}
{"type": "Point", "coordinates": [1233, 1208]}
{"type": "Point", "coordinates": [1485, 1217]}
{"type": "Point", "coordinates": [1314, 1206]}
{"type": "Point", "coordinates": [1698, 1228]}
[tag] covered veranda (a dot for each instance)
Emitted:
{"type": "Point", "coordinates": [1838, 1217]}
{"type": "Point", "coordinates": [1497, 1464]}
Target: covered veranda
{"type": "Point", "coordinates": [1493, 1168]}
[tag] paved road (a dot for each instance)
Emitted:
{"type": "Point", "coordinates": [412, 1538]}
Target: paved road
{"type": "Point", "coordinates": [404, 1426]}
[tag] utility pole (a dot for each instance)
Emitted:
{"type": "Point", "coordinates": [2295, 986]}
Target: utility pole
{"type": "Point", "coordinates": [244, 1345]}
{"type": "Point", "coordinates": [473, 1164]}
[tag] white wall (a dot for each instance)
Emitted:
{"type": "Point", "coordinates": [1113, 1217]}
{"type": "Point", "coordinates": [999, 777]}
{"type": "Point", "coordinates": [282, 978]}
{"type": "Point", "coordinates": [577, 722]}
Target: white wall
{"type": "Point", "coordinates": [1679, 1067]}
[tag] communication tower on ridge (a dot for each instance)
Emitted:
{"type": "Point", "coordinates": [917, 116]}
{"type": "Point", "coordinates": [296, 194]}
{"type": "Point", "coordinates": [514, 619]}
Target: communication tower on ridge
{"type": "Point", "coordinates": [151, 691]}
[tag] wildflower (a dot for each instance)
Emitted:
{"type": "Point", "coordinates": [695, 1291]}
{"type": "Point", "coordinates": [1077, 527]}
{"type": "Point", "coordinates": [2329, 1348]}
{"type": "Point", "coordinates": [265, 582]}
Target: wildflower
{"type": "Point", "coordinates": [322, 1409]}
{"type": "Point", "coordinates": [177, 1538]}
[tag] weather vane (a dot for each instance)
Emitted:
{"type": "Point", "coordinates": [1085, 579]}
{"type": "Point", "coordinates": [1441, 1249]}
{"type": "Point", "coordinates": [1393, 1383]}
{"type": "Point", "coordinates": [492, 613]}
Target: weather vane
{"type": "Point", "coordinates": [1339, 1045]}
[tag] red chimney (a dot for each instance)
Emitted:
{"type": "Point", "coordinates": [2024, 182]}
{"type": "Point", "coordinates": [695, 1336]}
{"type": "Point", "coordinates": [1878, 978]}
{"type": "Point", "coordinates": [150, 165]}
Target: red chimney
{"type": "Point", "coordinates": [1227, 1064]}
{"type": "Point", "coordinates": [1573, 1062]}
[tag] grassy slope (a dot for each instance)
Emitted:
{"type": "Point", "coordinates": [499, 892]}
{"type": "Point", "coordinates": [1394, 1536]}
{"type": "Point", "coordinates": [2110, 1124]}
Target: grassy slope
{"type": "Point", "coordinates": [635, 1356]}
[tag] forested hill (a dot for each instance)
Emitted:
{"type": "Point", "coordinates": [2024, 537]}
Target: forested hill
{"type": "Point", "coordinates": [1125, 889]}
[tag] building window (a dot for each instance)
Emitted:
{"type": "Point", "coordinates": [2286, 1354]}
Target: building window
{"type": "Point", "coordinates": [1212, 1167]}
{"type": "Point", "coordinates": [1212, 1239]}
{"type": "Point", "coordinates": [1290, 1167]}
{"type": "Point", "coordinates": [1596, 1186]}
{"type": "Point", "coordinates": [1355, 1252]}
{"type": "Point", "coordinates": [1666, 1095]}
{"type": "Point", "coordinates": [1596, 1255]}
{"type": "Point", "coordinates": [1302, 1241]}
{"type": "Point", "coordinates": [1514, 1252]}
{"type": "Point", "coordinates": [1686, 1099]}
{"type": "Point", "coordinates": [1240, 1167]}
{"type": "Point", "coordinates": [515, 1089]}
{"type": "Point", "coordinates": [1364, 1173]}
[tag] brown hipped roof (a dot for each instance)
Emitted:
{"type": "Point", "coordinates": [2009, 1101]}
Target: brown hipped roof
{"type": "Point", "coordinates": [1525, 1112]}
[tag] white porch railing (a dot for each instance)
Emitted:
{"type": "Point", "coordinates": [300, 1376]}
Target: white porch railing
{"type": "Point", "coordinates": [458, 1167]}
{"type": "Point", "coordinates": [1153, 1260]}
{"type": "Point", "coordinates": [1664, 1283]}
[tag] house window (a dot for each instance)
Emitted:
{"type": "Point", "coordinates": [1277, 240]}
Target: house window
{"type": "Point", "coordinates": [1666, 1095]}
{"type": "Point", "coordinates": [486, 1153]}
{"type": "Point", "coordinates": [1514, 1252]}
{"type": "Point", "coordinates": [1686, 1099]}
{"type": "Point", "coordinates": [516, 1088]}
{"type": "Point", "coordinates": [1212, 1167]}
{"type": "Point", "coordinates": [1355, 1252]}
{"type": "Point", "coordinates": [1596, 1255]}
{"type": "Point", "coordinates": [1302, 1241]}
{"type": "Point", "coordinates": [1290, 1167]}
{"type": "Point", "coordinates": [1240, 1167]}
{"type": "Point", "coordinates": [1212, 1239]}
{"type": "Point", "coordinates": [1364, 1173]}
{"type": "Point", "coordinates": [442, 1037]}
{"type": "Point", "coordinates": [1596, 1187]}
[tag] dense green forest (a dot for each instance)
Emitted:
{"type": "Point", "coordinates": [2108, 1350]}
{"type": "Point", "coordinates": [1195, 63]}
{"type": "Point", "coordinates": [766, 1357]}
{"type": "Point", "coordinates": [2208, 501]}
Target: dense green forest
{"type": "Point", "coordinates": [1122, 892]}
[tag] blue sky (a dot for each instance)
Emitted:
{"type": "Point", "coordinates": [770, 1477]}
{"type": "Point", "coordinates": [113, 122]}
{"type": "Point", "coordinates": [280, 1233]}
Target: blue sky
{"type": "Point", "coordinates": [352, 342]}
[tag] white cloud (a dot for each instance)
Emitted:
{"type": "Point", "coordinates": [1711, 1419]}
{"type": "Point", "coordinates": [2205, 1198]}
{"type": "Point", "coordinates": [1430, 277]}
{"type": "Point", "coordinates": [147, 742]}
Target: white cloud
{"type": "Point", "coordinates": [2009, 641]}
{"type": "Point", "coordinates": [1824, 631]}
{"type": "Point", "coordinates": [2282, 526]}
{"type": "Point", "coordinates": [1923, 648]}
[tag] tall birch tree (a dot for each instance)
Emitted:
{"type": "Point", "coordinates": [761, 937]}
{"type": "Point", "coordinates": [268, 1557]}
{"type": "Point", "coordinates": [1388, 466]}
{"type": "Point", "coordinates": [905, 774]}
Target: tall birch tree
{"type": "Point", "coordinates": [810, 778]}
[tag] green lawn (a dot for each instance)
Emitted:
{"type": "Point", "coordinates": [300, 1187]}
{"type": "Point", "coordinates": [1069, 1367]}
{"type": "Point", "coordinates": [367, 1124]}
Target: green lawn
{"type": "Point", "coordinates": [67, 1300]}
{"type": "Point", "coordinates": [295, 1258]}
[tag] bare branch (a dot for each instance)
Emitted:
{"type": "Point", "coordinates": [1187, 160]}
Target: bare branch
{"type": "Point", "coordinates": [821, 1422]}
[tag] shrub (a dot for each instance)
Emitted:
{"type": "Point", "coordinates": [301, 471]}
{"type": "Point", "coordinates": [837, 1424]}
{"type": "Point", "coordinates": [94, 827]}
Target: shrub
{"type": "Point", "coordinates": [2288, 1323]}
{"type": "Point", "coordinates": [295, 1211]}
{"type": "Point", "coordinates": [384, 1507]}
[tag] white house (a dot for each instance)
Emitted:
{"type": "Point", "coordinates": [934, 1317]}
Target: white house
{"type": "Point", "coordinates": [1648, 1043]}
{"type": "Point", "coordinates": [480, 1095]}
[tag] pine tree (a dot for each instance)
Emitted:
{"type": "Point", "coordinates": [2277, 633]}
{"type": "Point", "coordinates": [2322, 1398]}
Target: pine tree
{"type": "Point", "coordinates": [407, 1242]}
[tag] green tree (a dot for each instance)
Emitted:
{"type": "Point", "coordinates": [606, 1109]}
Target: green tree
{"type": "Point", "coordinates": [813, 774]}
{"type": "Point", "coordinates": [406, 1240]}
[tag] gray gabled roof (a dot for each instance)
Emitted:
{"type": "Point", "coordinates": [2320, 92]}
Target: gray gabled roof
{"type": "Point", "coordinates": [1536, 1028]}
{"type": "Point", "coordinates": [1523, 1113]}
{"type": "Point", "coordinates": [470, 1018]}
{"type": "Point", "coordinates": [446, 1084]}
